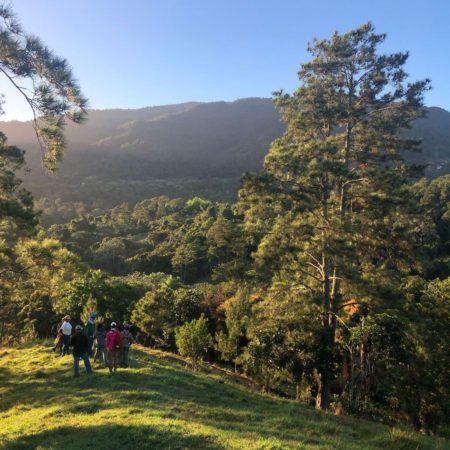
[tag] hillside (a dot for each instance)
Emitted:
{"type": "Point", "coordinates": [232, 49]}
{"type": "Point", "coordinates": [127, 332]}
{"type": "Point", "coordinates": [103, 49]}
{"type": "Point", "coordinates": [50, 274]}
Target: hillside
{"type": "Point", "coordinates": [180, 150]}
{"type": "Point", "coordinates": [160, 404]}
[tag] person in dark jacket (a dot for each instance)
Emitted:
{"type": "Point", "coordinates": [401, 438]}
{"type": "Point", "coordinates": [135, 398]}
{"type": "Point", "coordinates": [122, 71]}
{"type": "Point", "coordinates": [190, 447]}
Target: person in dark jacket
{"type": "Point", "coordinates": [100, 344]}
{"type": "Point", "coordinates": [80, 344]}
{"type": "Point", "coordinates": [89, 331]}
{"type": "Point", "coordinates": [127, 340]}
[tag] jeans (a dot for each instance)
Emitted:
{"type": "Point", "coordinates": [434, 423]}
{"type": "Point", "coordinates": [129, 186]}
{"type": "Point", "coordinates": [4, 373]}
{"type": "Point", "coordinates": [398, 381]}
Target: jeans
{"type": "Point", "coordinates": [124, 357]}
{"type": "Point", "coordinates": [58, 344]}
{"type": "Point", "coordinates": [66, 344]}
{"type": "Point", "coordinates": [100, 353]}
{"type": "Point", "coordinates": [76, 364]}
{"type": "Point", "coordinates": [91, 343]}
{"type": "Point", "coordinates": [113, 355]}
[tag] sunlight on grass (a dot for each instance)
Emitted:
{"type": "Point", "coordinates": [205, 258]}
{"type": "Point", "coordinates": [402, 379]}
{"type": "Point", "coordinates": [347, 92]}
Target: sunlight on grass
{"type": "Point", "coordinates": [160, 404]}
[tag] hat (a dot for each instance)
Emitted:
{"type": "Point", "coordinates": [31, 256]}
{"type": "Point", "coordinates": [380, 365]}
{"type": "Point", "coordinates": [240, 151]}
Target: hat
{"type": "Point", "coordinates": [113, 324]}
{"type": "Point", "coordinates": [66, 317]}
{"type": "Point", "coordinates": [93, 315]}
{"type": "Point", "coordinates": [78, 328]}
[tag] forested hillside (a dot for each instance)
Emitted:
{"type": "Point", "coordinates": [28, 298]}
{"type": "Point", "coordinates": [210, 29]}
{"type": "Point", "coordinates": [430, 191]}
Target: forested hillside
{"type": "Point", "coordinates": [326, 280]}
{"type": "Point", "coordinates": [128, 156]}
{"type": "Point", "coordinates": [177, 150]}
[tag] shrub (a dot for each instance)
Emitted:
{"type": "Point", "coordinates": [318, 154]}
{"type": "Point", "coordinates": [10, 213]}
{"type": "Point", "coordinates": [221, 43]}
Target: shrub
{"type": "Point", "coordinates": [193, 339]}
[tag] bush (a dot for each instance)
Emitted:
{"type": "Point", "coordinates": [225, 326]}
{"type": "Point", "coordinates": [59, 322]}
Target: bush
{"type": "Point", "coordinates": [194, 340]}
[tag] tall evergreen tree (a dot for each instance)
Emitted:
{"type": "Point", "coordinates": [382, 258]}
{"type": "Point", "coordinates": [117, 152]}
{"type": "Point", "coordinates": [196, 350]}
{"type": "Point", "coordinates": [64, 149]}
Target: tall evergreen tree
{"type": "Point", "coordinates": [329, 209]}
{"type": "Point", "coordinates": [44, 80]}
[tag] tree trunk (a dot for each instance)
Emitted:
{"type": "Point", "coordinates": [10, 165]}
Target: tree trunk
{"type": "Point", "coordinates": [323, 399]}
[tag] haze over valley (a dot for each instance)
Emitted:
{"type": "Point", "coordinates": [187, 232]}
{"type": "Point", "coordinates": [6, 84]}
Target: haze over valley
{"type": "Point", "coordinates": [182, 150]}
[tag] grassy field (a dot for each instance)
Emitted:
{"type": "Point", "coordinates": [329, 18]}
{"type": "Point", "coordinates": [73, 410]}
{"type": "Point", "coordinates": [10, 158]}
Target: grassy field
{"type": "Point", "coordinates": [160, 404]}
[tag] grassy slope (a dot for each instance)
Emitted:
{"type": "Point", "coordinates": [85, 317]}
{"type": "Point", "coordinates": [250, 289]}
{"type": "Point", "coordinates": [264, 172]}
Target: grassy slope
{"type": "Point", "coordinates": [160, 404]}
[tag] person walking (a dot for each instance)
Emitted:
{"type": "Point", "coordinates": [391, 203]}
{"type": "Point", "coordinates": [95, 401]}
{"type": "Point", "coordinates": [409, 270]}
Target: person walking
{"type": "Point", "coordinates": [54, 330]}
{"type": "Point", "coordinates": [100, 344]}
{"type": "Point", "coordinates": [57, 335]}
{"type": "Point", "coordinates": [80, 344]}
{"type": "Point", "coordinates": [89, 331]}
{"type": "Point", "coordinates": [113, 347]}
{"type": "Point", "coordinates": [66, 333]}
{"type": "Point", "coordinates": [127, 340]}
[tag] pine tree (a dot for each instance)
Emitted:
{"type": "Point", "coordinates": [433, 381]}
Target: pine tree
{"type": "Point", "coordinates": [54, 95]}
{"type": "Point", "coordinates": [329, 209]}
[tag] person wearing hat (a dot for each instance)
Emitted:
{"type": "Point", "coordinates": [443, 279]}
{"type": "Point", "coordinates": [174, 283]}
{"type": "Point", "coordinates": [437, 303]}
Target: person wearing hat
{"type": "Point", "coordinates": [66, 332]}
{"type": "Point", "coordinates": [113, 347]}
{"type": "Point", "coordinates": [80, 344]}
{"type": "Point", "coordinates": [89, 331]}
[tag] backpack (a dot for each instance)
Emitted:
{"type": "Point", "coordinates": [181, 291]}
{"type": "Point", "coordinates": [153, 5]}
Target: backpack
{"type": "Point", "coordinates": [117, 340]}
{"type": "Point", "coordinates": [127, 338]}
{"type": "Point", "coordinates": [100, 338]}
{"type": "Point", "coordinates": [89, 329]}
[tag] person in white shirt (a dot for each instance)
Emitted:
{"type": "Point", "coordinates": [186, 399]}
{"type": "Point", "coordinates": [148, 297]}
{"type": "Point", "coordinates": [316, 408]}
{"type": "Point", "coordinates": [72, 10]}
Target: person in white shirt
{"type": "Point", "coordinates": [66, 333]}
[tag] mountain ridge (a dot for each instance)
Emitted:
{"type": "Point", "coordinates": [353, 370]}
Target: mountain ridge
{"type": "Point", "coordinates": [172, 143]}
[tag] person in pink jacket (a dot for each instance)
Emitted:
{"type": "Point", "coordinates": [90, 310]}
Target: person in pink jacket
{"type": "Point", "coordinates": [113, 347]}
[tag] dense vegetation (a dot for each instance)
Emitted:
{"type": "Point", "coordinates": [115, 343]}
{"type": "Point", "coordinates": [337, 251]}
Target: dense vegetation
{"type": "Point", "coordinates": [327, 281]}
{"type": "Point", "coordinates": [180, 259]}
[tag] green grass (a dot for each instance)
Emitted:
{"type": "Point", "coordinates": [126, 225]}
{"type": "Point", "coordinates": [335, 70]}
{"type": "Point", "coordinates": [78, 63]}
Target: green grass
{"type": "Point", "coordinates": [160, 404]}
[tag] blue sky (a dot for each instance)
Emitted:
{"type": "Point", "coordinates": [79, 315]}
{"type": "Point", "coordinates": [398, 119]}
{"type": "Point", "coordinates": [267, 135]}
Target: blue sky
{"type": "Point", "coordinates": [150, 52]}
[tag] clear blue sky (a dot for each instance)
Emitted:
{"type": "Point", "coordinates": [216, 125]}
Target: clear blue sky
{"type": "Point", "coordinates": [135, 53]}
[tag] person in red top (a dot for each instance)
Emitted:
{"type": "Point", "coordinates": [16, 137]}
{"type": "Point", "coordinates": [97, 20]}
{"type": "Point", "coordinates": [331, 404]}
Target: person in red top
{"type": "Point", "coordinates": [113, 347]}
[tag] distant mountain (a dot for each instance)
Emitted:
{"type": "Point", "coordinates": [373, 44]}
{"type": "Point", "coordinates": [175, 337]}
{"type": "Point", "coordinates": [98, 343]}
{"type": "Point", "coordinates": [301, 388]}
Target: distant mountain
{"type": "Point", "coordinates": [185, 149]}
{"type": "Point", "coordinates": [434, 131]}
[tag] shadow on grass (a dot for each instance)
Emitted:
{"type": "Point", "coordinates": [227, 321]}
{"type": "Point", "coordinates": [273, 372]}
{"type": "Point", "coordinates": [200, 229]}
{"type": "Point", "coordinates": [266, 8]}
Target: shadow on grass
{"type": "Point", "coordinates": [156, 389]}
{"type": "Point", "coordinates": [112, 437]}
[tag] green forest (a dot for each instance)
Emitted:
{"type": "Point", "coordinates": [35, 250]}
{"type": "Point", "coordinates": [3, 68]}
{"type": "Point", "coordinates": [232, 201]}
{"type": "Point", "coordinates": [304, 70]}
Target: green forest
{"type": "Point", "coordinates": [326, 281]}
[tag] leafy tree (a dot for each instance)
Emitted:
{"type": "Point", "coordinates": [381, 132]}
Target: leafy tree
{"type": "Point", "coordinates": [36, 270]}
{"type": "Point", "coordinates": [428, 398]}
{"type": "Point", "coordinates": [52, 92]}
{"type": "Point", "coordinates": [228, 250]}
{"type": "Point", "coordinates": [189, 255]}
{"type": "Point", "coordinates": [380, 353]}
{"type": "Point", "coordinates": [285, 341]}
{"type": "Point", "coordinates": [111, 297]}
{"type": "Point", "coordinates": [150, 262]}
{"type": "Point", "coordinates": [144, 283]}
{"type": "Point", "coordinates": [329, 209]}
{"type": "Point", "coordinates": [237, 317]}
{"type": "Point", "coordinates": [83, 290]}
{"type": "Point", "coordinates": [111, 255]}
{"type": "Point", "coordinates": [154, 315]}
{"type": "Point", "coordinates": [194, 340]}
{"type": "Point", "coordinates": [187, 305]}
{"type": "Point", "coordinates": [16, 203]}
{"type": "Point", "coordinates": [434, 231]}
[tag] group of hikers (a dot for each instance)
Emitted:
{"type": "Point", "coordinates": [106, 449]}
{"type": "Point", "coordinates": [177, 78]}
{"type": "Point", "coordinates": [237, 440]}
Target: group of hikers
{"type": "Point", "coordinates": [111, 348]}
